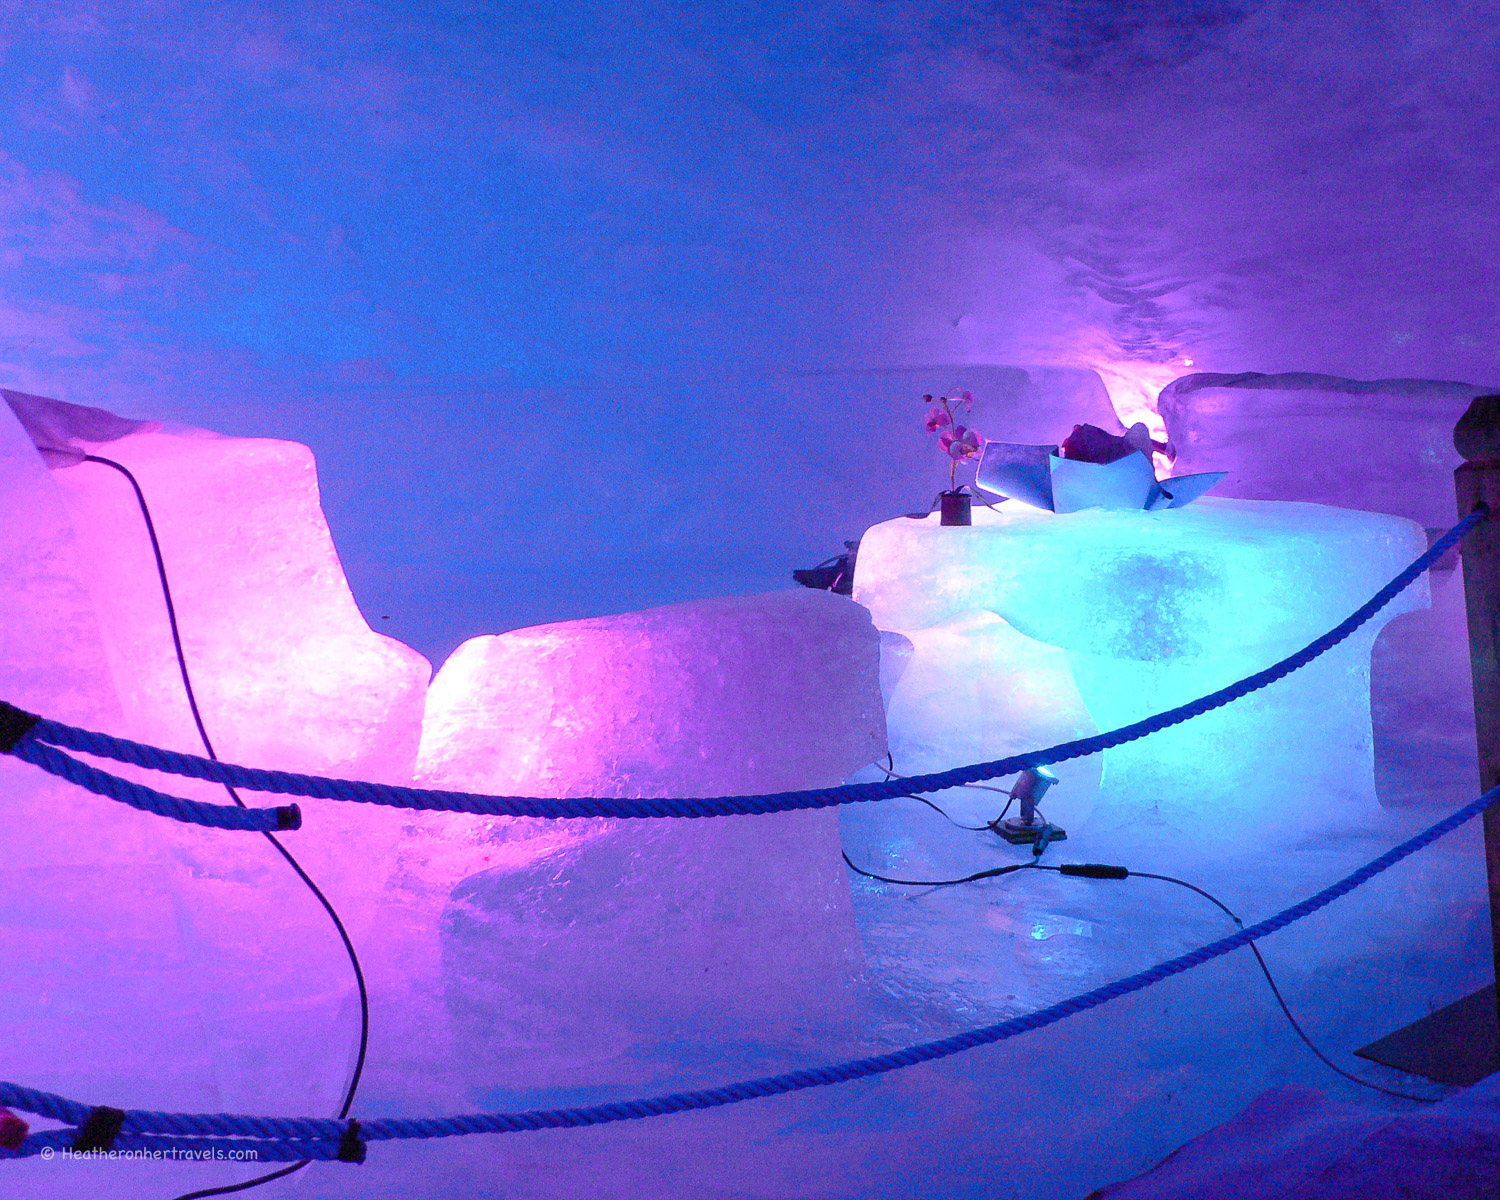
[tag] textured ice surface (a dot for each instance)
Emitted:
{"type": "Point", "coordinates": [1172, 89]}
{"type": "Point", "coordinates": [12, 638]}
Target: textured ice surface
{"type": "Point", "coordinates": [1149, 610]}
{"type": "Point", "coordinates": [290, 673]}
{"type": "Point", "coordinates": [891, 464]}
{"type": "Point", "coordinates": [741, 693]}
{"type": "Point", "coordinates": [620, 946]}
{"type": "Point", "coordinates": [1029, 629]}
{"type": "Point", "coordinates": [1295, 1144]}
{"type": "Point", "coordinates": [286, 672]}
{"type": "Point", "coordinates": [1422, 696]}
{"type": "Point", "coordinates": [1243, 185]}
{"type": "Point", "coordinates": [1304, 186]}
{"type": "Point", "coordinates": [1384, 446]}
{"type": "Point", "coordinates": [1112, 1086]}
{"type": "Point", "coordinates": [163, 960]}
{"type": "Point", "coordinates": [58, 840]}
{"type": "Point", "coordinates": [975, 689]}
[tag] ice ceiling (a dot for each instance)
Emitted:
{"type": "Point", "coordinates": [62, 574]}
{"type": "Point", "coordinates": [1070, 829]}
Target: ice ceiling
{"type": "Point", "coordinates": [529, 279]}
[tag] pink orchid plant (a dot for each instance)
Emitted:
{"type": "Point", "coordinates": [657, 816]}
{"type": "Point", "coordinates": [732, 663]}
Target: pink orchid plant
{"type": "Point", "coordinates": [958, 442]}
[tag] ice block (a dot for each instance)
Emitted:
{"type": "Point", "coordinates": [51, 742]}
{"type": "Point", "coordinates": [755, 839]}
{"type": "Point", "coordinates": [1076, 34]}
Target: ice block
{"type": "Point", "coordinates": [595, 950]}
{"type": "Point", "coordinates": [1153, 609]}
{"type": "Point", "coordinates": [286, 673]}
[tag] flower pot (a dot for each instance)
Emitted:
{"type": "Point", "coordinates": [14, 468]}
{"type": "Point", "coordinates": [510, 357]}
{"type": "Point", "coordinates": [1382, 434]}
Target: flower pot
{"type": "Point", "coordinates": [955, 509]}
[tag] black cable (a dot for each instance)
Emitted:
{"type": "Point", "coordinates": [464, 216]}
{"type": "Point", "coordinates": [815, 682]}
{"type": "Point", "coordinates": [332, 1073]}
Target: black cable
{"type": "Point", "coordinates": [946, 815]}
{"type": "Point", "coordinates": [1276, 991]}
{"type": "Point", "coordinates": [1096, 871]}
{"type": "Point", "coordinates": [192, 699]}
{"type": "Point", "coordinates": [890, 773]}
{"type": "Point", "coordinates": [990, 874]}
{"type": "Point", "coordinates": [249, 1183]}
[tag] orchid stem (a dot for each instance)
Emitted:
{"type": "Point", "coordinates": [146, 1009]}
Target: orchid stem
{"type": "Point", "coordinates": [952, 462]}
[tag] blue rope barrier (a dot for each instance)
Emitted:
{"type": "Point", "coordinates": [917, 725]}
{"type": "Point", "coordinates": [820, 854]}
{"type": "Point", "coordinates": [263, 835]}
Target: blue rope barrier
{"type": "Point", "coordinates": [312, 1137]}
{"type": "Point", "coordinates": [191, 812]}
{"type": "Point", "coordinates": [317, 787]}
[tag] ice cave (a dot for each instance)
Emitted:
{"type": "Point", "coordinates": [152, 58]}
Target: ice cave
{"type": "Point", "coordinates": [795, 601]}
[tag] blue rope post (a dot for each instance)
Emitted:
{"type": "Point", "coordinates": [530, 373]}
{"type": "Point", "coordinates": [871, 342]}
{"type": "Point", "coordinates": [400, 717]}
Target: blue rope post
{"type": "Point", "coordinates": [1477, 483]}
{"type": "Point", "coordinates": [1470, 1028]}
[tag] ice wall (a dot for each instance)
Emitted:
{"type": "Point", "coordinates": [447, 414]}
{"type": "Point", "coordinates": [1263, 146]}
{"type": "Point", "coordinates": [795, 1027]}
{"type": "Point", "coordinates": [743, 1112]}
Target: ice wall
{"type": "Point", "coordinates": [289, 672]}
{"type": "Point", "coordinates": [58, 905]}
{"type": "Point", "coordinates": [663, 493]}
{"type": "Point", "coordinates": [173, 968]}
{"type": "Point", "coordinates": [425, 276]}
{"type": "Point", "coordinates": [972, 688]}
{"type": "Point", "coordinates": [52, 651]}
{"type": "Point", "coordinates": [504, 958]}
{"type": "Point", "coordinates": [881, 461]}
{"type": "Point", "coordinates": [1384, 445]}
{"type": "Point", "coordinates": [398, 256]}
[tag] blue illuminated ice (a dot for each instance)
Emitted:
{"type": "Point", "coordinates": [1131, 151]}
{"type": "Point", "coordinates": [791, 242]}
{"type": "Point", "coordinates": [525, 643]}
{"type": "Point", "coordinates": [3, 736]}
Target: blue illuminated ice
{"type": "Point", "coordinates": [1383, 445]}
{"type": "Point", "coordinates": [1134, 613]}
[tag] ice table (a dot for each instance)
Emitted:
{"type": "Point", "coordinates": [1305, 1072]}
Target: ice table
{"type": "Point", "coordinates": [1140, 612]}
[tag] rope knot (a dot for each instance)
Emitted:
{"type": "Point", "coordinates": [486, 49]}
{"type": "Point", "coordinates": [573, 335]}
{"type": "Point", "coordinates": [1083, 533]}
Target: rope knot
{"type": "Point", "coordinates": [13, 1130]}
{"type": "Point", "coordinates": [351, 1145]}
{"type": "Point", "coordinates": [15, 723]}
{"type": "Point", "coordinates": [99, 1131]}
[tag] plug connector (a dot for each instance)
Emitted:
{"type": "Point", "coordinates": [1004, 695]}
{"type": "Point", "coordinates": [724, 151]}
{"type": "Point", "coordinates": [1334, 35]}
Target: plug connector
{"type": "Point", "coordinates": [1094, 870]}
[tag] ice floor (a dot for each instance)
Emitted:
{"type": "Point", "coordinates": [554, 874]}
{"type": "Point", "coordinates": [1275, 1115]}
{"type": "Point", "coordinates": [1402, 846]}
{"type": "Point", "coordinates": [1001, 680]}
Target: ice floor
{"type": "Point", "coordinates": [512, 966]}
{"type": "Point", "coordinates": [1098, 1098]}
{"type": "Point", "coordinates": [1293, 1143]}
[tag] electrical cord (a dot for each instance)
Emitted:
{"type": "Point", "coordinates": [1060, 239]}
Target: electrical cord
{"type": "Point", "coordinates": [948, 817]}
{"type": "Point", "coordinates": [1280, 1000]}
{"type": "Point", "coordinates": [992, 873]}
{"type": "Point", "coordinates": [890, 773]}
{"type": "Point", "coordinates": [192, 699]}
{"type": "Point", "coordinates": [1102, 871]}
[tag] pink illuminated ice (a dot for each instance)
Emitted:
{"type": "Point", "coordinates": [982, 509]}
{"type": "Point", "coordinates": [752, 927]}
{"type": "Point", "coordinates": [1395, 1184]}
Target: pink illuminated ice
{"type": "Point", "coordinates": [612, 948]}
{"type": "Point", "coordinates": [286, 673]}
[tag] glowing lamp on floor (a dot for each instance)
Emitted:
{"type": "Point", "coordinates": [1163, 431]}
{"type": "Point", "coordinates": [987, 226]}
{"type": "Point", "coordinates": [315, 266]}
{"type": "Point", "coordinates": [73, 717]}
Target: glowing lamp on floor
{"type": "Point", "coordinates": [1029, 788]}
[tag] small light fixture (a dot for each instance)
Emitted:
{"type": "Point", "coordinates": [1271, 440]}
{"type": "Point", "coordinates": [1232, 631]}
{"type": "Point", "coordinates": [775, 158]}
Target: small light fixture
{"type": "Point", "coordinates": [1030, 786]}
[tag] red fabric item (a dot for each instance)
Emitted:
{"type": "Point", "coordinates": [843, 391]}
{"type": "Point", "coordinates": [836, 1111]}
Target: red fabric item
{"type": "Point", "coordinates": [1089, 443]}
{"type": "Point", "coordinates": [13, 1130]}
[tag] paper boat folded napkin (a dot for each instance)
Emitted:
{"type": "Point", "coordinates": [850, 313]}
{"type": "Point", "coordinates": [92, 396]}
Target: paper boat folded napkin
{"type": "Point", "coordinates": [1040, 477]}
